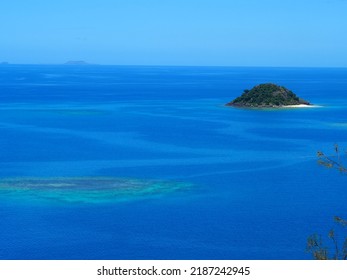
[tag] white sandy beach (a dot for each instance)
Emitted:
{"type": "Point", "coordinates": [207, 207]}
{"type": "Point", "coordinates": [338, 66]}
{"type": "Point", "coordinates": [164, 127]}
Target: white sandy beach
{"type": "Point", "coordinates": [300, 106]}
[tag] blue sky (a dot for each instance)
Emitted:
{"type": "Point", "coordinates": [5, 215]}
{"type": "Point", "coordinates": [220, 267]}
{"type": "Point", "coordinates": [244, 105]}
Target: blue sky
{"type": "Point", "coordinates": [176, 32]}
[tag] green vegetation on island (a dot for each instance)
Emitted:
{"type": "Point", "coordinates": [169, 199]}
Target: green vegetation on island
{"type": "Point", "coordinates": [267, 95]}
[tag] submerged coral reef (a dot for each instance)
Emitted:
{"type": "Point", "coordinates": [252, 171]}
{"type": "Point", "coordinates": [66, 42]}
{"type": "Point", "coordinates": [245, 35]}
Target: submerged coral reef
{"type": "Point", "coordinates": [86, 190]}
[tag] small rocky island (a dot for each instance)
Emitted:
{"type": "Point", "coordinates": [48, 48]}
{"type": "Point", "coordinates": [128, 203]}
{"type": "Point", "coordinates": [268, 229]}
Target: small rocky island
{"type": "Point", "coordinates": [268, 96]}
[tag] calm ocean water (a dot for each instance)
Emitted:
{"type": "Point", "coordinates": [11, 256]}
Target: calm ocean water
{"type": "Point", "coordinates": [191, 178]}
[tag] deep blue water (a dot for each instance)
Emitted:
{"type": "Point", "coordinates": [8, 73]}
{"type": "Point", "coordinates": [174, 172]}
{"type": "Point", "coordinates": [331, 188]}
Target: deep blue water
{"type": "Point", "coordinates": [255, 188]}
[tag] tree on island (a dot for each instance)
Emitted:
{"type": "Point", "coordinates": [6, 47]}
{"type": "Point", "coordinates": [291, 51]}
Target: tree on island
{"type": "Point", "coordinates": [315, 244]}
{"type": "Point", "coordinates": [267, 95]}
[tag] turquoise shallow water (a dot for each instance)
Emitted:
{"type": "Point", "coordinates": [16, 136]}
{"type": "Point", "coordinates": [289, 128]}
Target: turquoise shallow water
{"type": "Point", "coordinates": [107, 162]}
{"type": "Point", "coordinates": [89, 190]}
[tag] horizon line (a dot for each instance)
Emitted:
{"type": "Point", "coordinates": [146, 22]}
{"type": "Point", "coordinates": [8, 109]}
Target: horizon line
{"type": "Point", "coordinates": [5, 63]}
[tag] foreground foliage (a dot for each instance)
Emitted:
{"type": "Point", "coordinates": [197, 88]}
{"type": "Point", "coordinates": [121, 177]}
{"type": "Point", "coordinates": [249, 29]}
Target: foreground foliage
{"type": "Point", "coordinates": [337, 250]}
{"type": "Point", "coordinates": [315, 243]}
{"type": "Point", "coordinates": [334, 162]}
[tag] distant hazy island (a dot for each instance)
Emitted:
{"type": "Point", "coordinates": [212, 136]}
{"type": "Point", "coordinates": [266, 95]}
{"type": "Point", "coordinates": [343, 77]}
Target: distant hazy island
{"type": "Point", "coordinates": [76, 62]}
{"type": "Point", "coordinates": [268, 96]}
